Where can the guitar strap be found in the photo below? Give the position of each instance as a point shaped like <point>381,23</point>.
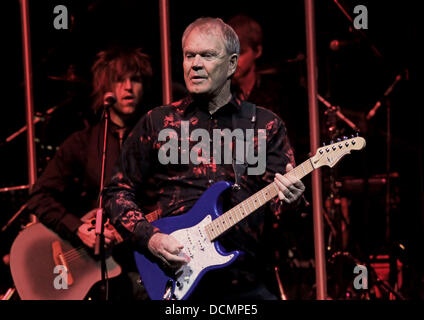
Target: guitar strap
<point>245,119</point>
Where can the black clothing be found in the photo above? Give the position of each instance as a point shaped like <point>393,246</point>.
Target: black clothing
<point>69,186</point>
<point>179,186</point>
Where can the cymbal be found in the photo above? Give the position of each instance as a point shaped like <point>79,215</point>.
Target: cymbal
<point>70,76</point>
<point>67,79</point>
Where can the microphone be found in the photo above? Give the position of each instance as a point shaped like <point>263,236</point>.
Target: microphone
<point>109,99</point>
<point>335,45</point>
<point>300,57</point>
<point>372,112</point>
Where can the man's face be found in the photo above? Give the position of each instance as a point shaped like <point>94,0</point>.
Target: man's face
<point>207,66</point>
<point>128,91</point>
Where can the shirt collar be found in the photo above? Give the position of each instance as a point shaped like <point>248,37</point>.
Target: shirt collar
<point>189,104</point>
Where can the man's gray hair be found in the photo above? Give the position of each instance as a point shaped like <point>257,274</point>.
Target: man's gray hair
<point>231,40</point>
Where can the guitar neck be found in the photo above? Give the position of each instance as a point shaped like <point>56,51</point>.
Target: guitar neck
<point>230,218</point>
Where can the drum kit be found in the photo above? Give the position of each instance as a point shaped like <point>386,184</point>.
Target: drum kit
<point>343,251</point>
<point>351,200</point>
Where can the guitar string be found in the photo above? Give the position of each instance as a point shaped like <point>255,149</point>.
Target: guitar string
<point>71,251</point>
<point>215,223</point>
<point>82,254</point>
<point>74,253</point>
<point>77,256</point>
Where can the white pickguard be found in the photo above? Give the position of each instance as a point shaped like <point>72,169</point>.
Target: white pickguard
<point>202,253</point>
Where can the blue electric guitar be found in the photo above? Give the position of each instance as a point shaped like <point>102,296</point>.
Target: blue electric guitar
<point>198,229</point>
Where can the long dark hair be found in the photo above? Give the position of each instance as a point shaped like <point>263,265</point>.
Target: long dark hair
<point>115,63</point>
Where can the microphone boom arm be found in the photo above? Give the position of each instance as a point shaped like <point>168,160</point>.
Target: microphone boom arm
<point>338,113</point>
<point>372,112</point>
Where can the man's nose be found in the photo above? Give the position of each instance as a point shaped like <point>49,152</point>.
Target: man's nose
<point>128,84</point>
<point>197,62</point>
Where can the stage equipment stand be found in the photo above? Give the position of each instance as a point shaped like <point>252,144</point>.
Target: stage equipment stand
<point>320,262</point>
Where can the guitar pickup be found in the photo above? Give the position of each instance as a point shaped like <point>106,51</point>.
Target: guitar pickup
<point>59,260</point>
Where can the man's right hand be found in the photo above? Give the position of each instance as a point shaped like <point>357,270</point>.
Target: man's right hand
<point>167,248</point>
<point>86,232</point>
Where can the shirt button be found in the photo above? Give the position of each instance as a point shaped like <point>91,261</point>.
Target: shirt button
<point>211,181</point>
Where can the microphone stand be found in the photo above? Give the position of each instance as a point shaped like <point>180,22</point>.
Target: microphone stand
<point>389,90</point>
<point>369,116</point>
<point>39,117</point>
<point>338,113</point>
<point>333,201</point>
<point>99,248</point>
<point>337,221</point>
<point>23,207</point>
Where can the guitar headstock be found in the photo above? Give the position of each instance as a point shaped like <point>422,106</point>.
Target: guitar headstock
<point>331,154</point>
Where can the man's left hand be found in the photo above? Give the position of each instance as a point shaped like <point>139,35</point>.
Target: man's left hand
<point>290,187</point>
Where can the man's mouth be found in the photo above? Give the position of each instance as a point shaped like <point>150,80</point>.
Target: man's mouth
<point>128,100</point>
<point>197,79</point>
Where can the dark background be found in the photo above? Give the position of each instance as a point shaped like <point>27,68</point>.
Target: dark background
<point>353,77</point>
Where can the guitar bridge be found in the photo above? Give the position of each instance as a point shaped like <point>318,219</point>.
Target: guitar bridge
<point>59,260</point>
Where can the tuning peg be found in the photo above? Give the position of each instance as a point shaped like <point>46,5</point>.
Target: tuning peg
<point>345,138</point>
<point>332,141</point>
<point>323,144</point>
<point>352,136</point>
<point>357,133</point>
<point>338,140</point>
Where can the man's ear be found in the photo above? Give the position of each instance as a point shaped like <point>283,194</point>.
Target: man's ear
<point>233,64</point>
<point>258,51</point>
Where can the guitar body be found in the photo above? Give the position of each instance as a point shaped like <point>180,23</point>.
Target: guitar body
<point>32,266</point>
<point>205,255</point>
